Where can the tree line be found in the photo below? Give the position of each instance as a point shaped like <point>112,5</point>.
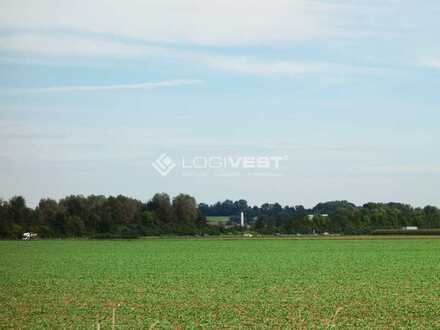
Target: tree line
<point>124,217</point>
<point>349,219</point>
<point>101,217</point>
<point>338,217</point>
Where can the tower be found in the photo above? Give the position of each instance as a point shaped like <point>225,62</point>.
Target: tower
<point>242,219</point>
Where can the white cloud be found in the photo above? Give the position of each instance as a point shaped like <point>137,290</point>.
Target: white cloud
<point>332,72</point>
<point>226,22</point>
<point>55,46</point>
<point>86,29</point>
<point>431,63</point>
<point>103,88</point>
<point>71,46</point>
<point>252,66</point>
<point>404,168</point>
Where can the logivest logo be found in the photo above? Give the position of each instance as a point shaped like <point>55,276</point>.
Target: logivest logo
<point>222,165</point>
<point>164,165</point>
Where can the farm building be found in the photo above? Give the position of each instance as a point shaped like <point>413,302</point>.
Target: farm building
<point>410,228</point>
<point>311,216</point>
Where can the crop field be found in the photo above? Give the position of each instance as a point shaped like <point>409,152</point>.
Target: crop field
<point>210,283</point>
<point>217,220</point>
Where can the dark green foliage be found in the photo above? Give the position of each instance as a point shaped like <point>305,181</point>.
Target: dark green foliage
<point>331,207</point>
<point>424,232</point>
<point>101,217</point>
<point>124,217</point>
<point>346,218</point>
<point>232,209</point>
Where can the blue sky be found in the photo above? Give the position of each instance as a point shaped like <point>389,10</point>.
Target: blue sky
<point>92,93</point>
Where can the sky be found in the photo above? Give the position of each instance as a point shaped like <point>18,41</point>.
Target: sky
<point>346,91</point>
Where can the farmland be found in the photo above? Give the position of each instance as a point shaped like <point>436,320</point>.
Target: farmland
<point>213,283</point>
<point>217,220</point>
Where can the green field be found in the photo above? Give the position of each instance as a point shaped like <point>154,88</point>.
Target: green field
<point>217,220</point>
<point>165,283</point>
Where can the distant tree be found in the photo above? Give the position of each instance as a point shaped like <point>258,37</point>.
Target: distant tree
<point>121,216</point>
<point>432,217</point>
<point>50,216</point>
<point>152,227</point>
<point>300,210</point>
<point>265,225</point>
<point>331,207</point>
<point>5,221</point>
<point>241,206</point>
<point>74,226</point>
<point>160,205</point>
<point>21,215</point>
<point>186,214</point>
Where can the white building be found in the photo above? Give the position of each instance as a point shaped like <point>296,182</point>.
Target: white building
<point>410,228</point>
<point>311,216</point>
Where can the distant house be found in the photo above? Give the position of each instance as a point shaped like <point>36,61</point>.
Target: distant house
<point>311,216</point>
<point>410,228</point>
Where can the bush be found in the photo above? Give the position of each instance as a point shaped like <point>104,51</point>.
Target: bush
<point>406,232</point>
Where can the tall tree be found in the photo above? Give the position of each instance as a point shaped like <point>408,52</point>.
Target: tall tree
<point>186,214</point>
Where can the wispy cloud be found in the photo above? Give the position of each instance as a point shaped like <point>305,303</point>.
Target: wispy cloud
<point>253,66</point>
<point>404,168</point>
<point>431,63</point>
<point>227,22</point>
<point>104,88</point>
<point>287,68</point>
<point>67,46</point>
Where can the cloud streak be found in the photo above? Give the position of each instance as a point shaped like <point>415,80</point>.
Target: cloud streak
<point>66,47</point>
<point>105,88</point>
<point>201,22</point>
<point>433,63</point>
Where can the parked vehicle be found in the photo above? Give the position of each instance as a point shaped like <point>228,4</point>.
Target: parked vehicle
<point>28,236</point>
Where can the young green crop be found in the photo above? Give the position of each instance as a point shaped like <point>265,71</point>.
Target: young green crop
<point>208,283</point>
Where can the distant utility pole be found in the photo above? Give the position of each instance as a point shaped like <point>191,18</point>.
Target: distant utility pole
<point>242,219</point>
